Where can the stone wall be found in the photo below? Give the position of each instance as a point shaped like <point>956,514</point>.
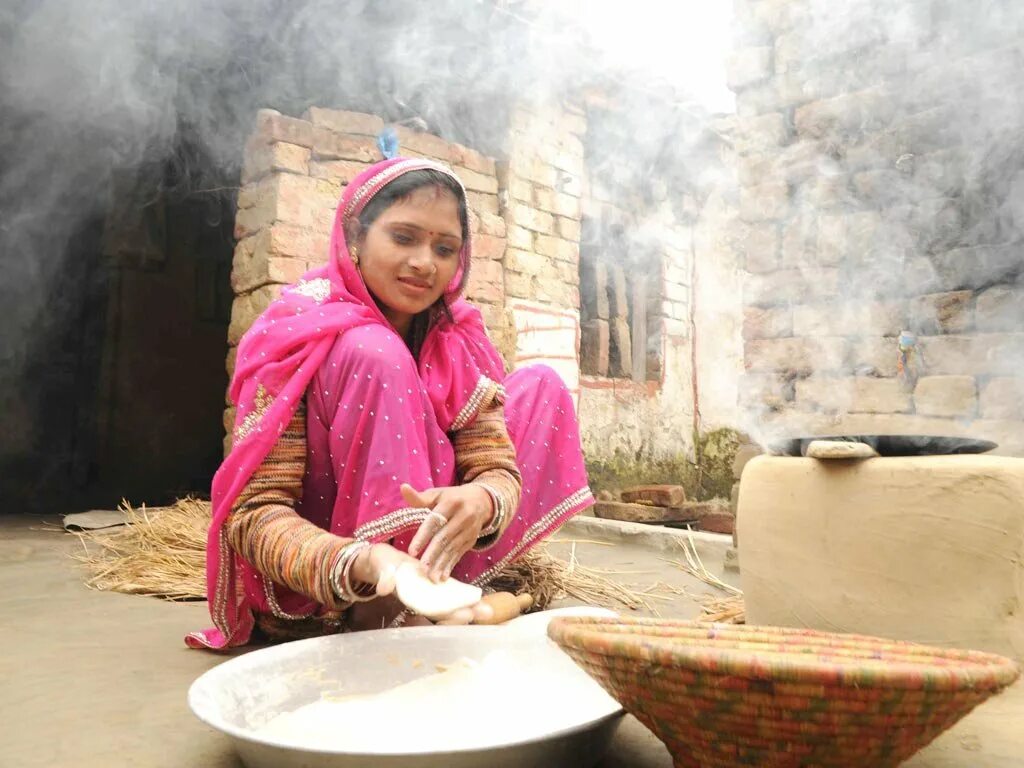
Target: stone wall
<point>879,158</point>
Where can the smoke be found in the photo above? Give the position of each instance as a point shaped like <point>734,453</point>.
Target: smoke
<point>106,106</point>
<point>883,147</point>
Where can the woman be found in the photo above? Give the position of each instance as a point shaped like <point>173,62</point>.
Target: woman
<point>375,426</point>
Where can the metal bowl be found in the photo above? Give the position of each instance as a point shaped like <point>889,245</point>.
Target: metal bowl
<point>892,445</point>
<point>240,696</point>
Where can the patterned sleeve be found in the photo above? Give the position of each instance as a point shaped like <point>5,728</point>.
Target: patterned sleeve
<point>485,454</point>
<point>265,529</point>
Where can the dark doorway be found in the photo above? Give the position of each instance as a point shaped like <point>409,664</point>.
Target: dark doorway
<point>122,393</point>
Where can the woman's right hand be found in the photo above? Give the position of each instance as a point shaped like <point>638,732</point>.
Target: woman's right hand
<point>377,564</point>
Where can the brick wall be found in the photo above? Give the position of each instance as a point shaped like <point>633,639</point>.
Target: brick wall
<point>527,220</point>
<point>878,169</point>
<point>636,267</point>
<point>293,176</point>
<point>541,184</point>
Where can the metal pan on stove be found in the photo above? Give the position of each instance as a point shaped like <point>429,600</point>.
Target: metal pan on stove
<point>892,445</point>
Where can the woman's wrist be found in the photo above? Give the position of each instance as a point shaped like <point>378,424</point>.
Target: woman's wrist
<point>345,578</point>
<point>362,567</point>
<point>493,522</point>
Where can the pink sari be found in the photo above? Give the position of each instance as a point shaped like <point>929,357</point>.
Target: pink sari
<point>377,417</point>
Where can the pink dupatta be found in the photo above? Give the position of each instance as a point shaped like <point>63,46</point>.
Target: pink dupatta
<point>279,356</point>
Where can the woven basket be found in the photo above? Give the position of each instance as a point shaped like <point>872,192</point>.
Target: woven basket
<point>727,695</point>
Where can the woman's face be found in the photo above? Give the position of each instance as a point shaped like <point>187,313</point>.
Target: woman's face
<point>410,253</point>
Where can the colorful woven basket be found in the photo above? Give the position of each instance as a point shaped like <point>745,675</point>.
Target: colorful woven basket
<point>728,695</point>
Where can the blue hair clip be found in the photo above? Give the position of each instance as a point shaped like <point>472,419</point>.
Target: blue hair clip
<point>388,143</point>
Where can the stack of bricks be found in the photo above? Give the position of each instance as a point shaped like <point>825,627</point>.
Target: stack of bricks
<point>866,213</point>
<point>541,186</point>
<point>292,179</point>
<point>611,283</point>
<point>636,250</point>
<point>606,342</point>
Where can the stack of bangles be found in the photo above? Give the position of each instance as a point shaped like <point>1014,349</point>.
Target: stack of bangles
<point>341,575</point>
<point>499,511</point>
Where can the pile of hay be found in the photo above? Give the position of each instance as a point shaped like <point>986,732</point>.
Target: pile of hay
<point>161,552</point>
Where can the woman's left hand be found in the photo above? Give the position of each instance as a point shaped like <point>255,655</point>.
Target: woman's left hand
<point>458,514</point>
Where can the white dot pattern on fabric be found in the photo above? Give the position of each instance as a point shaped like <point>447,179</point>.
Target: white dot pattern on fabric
<point>367,452</point>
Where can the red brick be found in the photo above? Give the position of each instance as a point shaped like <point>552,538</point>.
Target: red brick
<point>618,294</point>
<point>556,248</point>
<point>247,308</point>
<point>342,171</point>
<point>345,122</point>
<point>532,219</point>
<point>637,513</point>
<point>285,239</point>
<point>328,145</point>
<point>568,229</point>
<point>272,126</point>
<point>594,347</point>
<point>521,238</point>
<point>620,354</point>
<point>481,202</point>
<point>491,224</point>
<point>424,143</point>
<point>255,264</point>
<point>473,160</point>
<point>657,495</point>
<point>557,203</point>
<point>711,516</point>
<point>594,289</point>
<point>262,159</point>
<point>299,200</point>
<point>487,282</point>
<point>717,522</point>
<point>488,247</point>
<point>477,182</point>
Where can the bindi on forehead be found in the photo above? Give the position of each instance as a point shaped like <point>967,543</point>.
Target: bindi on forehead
<point>425,230</point>
<point>436,213</point>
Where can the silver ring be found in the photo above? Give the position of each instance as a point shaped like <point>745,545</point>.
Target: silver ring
<point>443,521</point>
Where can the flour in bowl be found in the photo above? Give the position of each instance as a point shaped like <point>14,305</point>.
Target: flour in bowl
<point>507,696</point>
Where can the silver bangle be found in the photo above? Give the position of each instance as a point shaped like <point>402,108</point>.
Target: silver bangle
<point>341,575</point>
<point>498,518</point>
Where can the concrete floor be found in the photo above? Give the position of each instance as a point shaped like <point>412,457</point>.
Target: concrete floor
<point>96,680</point>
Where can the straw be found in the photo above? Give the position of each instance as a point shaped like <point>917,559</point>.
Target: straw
<point>161,552</point>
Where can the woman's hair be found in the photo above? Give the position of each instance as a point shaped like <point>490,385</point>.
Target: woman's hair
<point>402,188</point>
<point>399,190</point>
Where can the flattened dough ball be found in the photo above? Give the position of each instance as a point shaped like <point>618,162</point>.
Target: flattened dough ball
<point>435,601</point>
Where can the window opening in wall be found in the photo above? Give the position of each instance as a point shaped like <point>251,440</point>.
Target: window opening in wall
<point>620,294</point>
